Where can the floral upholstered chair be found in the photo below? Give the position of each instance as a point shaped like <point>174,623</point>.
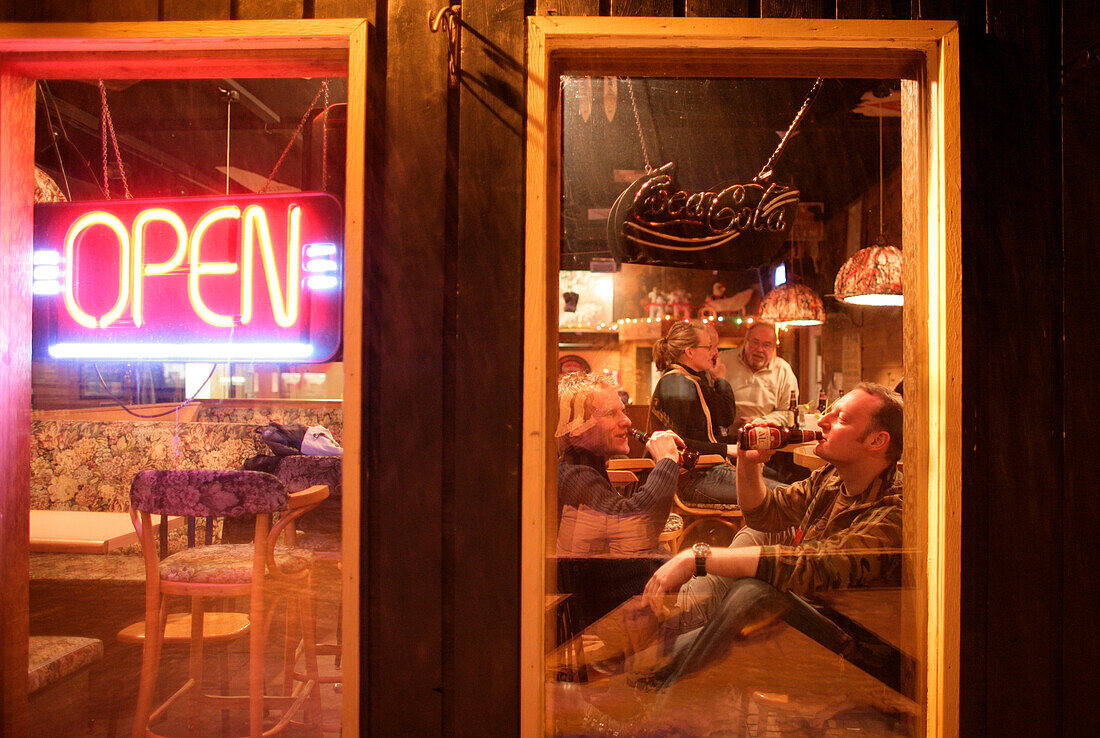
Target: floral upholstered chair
<point>264,569</point>
<point>319,529</point>
<point>319,532</point>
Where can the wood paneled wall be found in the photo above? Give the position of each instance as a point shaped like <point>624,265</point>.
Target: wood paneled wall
<point>444,322</point>
<point>1080,100</point>
<point>1013,375</point>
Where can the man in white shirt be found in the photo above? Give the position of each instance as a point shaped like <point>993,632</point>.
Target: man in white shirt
<point>762,382</point>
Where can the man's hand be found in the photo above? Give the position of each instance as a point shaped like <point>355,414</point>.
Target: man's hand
<point>752,456</point>
<point>667,580</point>
<point>665,445</point>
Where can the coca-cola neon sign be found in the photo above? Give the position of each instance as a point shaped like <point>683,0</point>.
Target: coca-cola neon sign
<point>252,278</point>
<point>734,226</point>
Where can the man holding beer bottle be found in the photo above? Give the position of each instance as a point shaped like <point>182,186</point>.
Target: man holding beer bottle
<point>844,523</point>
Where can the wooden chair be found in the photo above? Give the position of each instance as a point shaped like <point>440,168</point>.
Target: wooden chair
<point>624,482</point>
<point>319,531</point>
<point>258,571</point>
<point>713,523</point>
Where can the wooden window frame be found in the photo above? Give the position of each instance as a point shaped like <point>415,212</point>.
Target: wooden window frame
<point>925,56</point>
<point>168,50</point>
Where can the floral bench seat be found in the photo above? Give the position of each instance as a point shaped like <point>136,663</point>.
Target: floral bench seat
<point>58,683</point>
<point>53,658</point>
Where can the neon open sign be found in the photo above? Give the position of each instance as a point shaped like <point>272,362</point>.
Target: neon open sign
<point>255,278</point>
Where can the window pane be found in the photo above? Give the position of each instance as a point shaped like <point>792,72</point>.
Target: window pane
<point>679,203</point>
<point>98,420</point>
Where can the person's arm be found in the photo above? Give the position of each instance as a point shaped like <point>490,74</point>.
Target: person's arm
<point>583,485</point>
<point>726,414</point>
<point>751,490</point>
<point>724,406</point>
<point>769,510</point>
<point>734,563</point>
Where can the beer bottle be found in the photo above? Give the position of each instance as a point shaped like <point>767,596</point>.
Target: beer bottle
<point>767,437</point>
<point>688,458</point>
<point>822,405</point>
<point>793,410</point>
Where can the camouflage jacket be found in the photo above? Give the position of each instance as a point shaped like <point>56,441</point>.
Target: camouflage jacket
<point>860,547</point>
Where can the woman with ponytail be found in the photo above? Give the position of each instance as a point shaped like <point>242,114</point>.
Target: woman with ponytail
<point>693,399</point>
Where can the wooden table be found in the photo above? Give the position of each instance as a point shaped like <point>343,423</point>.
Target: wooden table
<point>83,531</point>
<point>804,455</point>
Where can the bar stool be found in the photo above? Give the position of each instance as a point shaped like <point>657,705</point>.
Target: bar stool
<point>225,571</point>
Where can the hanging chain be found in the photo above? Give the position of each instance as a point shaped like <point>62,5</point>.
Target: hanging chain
<point>228,131</point>
<point>638,123</point>
<point>301,124</point>
<point>766,172</point>
<point>324,142</point>
<point>881,228</point>
<point>107,126</point>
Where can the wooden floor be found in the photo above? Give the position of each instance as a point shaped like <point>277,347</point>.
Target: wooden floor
<point>99,611</point>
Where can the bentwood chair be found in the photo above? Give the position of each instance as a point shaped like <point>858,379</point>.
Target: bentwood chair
<point>264,572</point>
<point>318,531</point>
<point>713,523</point>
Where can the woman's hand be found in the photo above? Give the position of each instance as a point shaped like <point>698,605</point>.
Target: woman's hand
<point>718,368</point>
<point>667,581</point>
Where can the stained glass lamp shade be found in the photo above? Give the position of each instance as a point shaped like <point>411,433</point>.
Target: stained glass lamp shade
<point>792,304</point>
<point>871,276</point>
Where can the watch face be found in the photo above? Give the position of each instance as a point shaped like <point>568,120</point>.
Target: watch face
<point>701,549</point>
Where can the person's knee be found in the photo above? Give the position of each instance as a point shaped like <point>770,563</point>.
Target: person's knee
<point>752,604</point>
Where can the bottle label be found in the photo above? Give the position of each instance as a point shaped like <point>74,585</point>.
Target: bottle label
<point>763,439</point>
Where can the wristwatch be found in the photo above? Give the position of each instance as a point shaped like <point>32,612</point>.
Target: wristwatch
<point>701,551</point>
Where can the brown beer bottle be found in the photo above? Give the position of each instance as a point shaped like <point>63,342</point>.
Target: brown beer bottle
<point>688,458</point>
<point>793,410</point>
<point>822,405</point>
<point>767,437</point>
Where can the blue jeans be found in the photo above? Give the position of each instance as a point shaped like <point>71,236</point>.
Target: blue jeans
<point>716,484</point>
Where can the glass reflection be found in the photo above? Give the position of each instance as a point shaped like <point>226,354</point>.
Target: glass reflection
<point>97,424</point>
<point>760,592</point>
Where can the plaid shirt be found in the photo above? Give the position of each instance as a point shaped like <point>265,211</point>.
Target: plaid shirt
<point>860,546</point>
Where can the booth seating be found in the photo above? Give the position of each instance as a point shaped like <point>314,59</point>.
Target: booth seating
<point>319,529</point>
<point>58,683</point>
<point>226,571</point>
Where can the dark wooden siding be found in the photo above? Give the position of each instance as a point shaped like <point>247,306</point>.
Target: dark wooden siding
<point>444,367</point>
<point>1080,108</point>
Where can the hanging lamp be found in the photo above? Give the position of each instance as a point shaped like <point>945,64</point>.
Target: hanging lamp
<point>792,303</point>
<point>872,275</point>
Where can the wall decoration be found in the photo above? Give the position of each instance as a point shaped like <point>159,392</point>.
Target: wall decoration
<point>573,363</point>
<point>586,300</point>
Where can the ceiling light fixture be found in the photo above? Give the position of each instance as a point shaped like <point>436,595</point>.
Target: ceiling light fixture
<point>792,303</point>
<point>872,275</point>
